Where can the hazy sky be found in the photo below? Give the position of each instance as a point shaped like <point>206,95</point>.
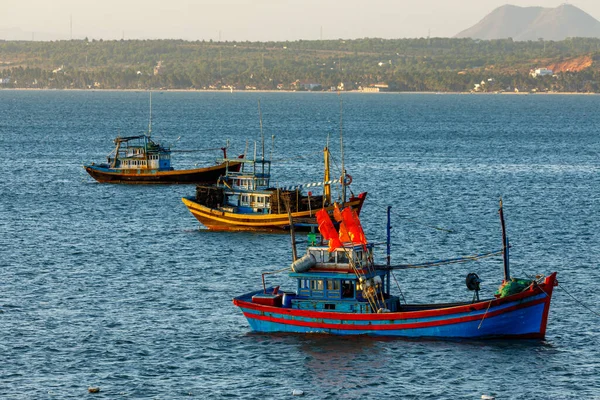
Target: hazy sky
<point>255,20</point>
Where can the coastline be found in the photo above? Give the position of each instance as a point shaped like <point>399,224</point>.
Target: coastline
<point>298,91</point>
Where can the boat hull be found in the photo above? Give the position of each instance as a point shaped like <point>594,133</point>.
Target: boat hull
<point>218,220</point>
<point>522,315</point>
<point>206,175</point>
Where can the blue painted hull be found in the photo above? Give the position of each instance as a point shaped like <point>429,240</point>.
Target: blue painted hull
<point>523,315</point>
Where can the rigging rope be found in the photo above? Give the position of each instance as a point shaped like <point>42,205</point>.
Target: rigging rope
<point>398,284</point>
<point>296,158</point>
<point>448,261</point>
<point>196,150</point>
<point>276,272</point>
<point>486,311</point>
<point>423,224</point>
<point>578,301</point>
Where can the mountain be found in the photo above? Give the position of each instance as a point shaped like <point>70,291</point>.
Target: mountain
<point>533,23</point>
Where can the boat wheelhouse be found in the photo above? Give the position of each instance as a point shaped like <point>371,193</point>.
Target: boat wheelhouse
<point>140,152</point>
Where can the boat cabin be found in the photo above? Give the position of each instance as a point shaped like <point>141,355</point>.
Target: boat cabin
<point>140,152</point>
<point>245,192</point>
<point>345,280</point>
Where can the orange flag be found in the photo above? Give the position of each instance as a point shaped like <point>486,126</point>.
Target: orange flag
<point>343,232</point>
<point>328,230</point>
<point>352,223</point>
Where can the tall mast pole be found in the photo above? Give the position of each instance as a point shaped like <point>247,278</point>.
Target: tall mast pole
<point>326,178</point>
<point>343,178</point>
<point>262,137</point>
<point>150,121</point>
<point>505,245</point>
<point>389,240</point>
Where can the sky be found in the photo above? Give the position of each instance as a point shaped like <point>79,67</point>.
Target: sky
<point>253,20</point>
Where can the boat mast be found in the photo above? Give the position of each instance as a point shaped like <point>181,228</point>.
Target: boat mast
<point>505,245</point>
<point>343,178</point>
<point>150,121</point>
<point>292,230</point>
<point>114,163</point>
<point>262,137</point>
<point>389,240</point>
<point>326,186</point>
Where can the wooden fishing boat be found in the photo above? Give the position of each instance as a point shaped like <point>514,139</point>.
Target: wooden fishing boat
<point>245,200</point>
<point>140,160</point>
<point>341,291</point>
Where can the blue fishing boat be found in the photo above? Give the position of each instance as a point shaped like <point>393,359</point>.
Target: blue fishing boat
<point>341,290</point>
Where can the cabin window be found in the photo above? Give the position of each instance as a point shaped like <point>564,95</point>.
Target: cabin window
<point>331,258</point>
<point>333,285</point>
<point>341,257</point>
<point>316,285</point>
<point>318,255</point>
<point>359,256</point>
<point>347,289</point>
<point>304,284</point>
<point>329,306</point>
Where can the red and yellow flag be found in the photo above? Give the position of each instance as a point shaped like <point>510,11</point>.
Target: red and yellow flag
<point>343,232</point>
<point>352,224</point>
<point>328,230</point>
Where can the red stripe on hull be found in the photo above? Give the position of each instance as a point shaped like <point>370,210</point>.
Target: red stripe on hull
<point>391,326</point>
<point>405,315</point>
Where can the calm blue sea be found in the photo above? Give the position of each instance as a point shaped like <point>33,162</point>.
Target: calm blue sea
<point>119,287</point>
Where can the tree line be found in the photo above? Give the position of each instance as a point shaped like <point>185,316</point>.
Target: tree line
<point>423,64</point>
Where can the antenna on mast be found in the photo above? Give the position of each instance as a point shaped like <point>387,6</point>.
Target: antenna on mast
<point>272,145</point>
<point>262,136</point>
<point>150,121</point>
<point>343,178</point>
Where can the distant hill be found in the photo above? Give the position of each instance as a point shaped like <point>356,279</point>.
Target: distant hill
<point>533,23</point>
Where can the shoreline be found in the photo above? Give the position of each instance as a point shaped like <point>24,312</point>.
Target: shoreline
<point>299,91</point>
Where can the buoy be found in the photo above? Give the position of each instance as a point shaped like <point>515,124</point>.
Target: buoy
<point>93,389</point>
<point>297,392</point>
<point>487,397</point>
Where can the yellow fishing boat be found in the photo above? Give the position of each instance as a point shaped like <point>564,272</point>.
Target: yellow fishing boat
<point>245,200</point>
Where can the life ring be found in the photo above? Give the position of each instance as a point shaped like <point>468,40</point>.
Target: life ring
<point>347,181</point>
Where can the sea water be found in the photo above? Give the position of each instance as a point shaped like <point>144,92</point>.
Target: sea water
<point>119,287</point>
